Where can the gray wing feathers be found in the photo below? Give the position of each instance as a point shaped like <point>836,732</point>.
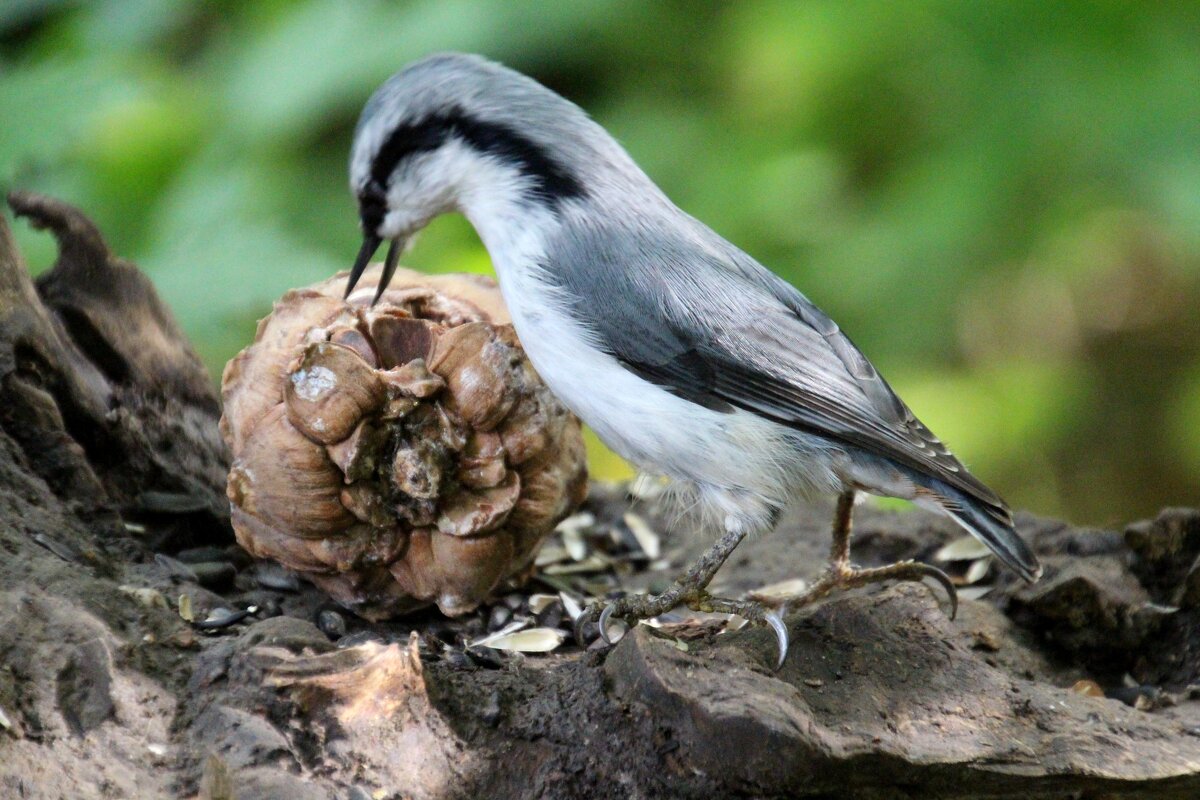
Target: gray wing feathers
<point>707,322</point>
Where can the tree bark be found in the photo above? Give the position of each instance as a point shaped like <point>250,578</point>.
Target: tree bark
<point>112,511</point>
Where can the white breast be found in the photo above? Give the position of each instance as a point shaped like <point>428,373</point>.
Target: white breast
<point>734,460</point>
<point>647,425</point>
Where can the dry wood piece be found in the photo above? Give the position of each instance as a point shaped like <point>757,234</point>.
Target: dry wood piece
<point>1084,685</point>
<point>99,387</point>
<point>399,454</point>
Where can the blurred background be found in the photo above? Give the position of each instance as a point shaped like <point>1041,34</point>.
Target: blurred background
<point>1000,202</point>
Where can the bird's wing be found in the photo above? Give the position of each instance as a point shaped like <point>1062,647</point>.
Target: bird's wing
<point>710,324</point>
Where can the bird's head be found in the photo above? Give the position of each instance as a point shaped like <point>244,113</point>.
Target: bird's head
<point>459,132</point>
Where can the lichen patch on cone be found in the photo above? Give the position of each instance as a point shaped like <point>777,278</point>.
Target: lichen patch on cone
<point>399,455</point>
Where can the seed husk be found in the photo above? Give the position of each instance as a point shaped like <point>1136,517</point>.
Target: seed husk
<point>964,548</point>
<point>572,539</point>
<point>533,640</point>
<point>596,562</point>
<point>571,605</point>
<point>186,612</point>
<point>779,589</point>
<point>978,570</point>
<point>647,539</point>
<point>539,602</point>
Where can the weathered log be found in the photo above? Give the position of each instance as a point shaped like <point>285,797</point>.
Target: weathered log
<point>98,385</point>
<point>106,417</point>
<point>1078,686</point>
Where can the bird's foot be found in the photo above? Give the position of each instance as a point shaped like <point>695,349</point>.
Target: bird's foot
<point>633,608</point>
<point>841,575</point>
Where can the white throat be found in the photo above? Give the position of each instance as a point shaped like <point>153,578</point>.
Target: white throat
<point>494,197</point>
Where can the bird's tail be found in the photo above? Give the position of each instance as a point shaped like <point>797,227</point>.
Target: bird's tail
<point>989,523</point>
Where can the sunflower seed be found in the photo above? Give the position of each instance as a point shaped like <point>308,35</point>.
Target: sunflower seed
<point>65,552</point>
<point>780,589</point>
<point>974,592</point>
<point>978,570</point>
<point>457,659</point>
<point>186,612</point>
<point>198,555</point>
<point>539,602</point>
<point>223,617</point>
<point>174,567</point>
<point>534,640</point>
<point>552,617</point>
<point>964,548</point>
<point>331,623</point>
<point>551,554</point>
<point>572,539</point>
<point>647,539</point>
<point>270,575</point>
<point>170,502</point>
<point>593,563</point>
<point>511,627</point>
<point>215,575</point>
<point>570,605</point>
<point>487,658</point>
<point>577,522</point>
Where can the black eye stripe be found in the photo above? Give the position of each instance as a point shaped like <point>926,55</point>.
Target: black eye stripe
<point>372,206</point>
<point>550,182</point>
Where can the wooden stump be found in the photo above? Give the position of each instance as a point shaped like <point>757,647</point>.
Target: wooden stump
<point>112,509</point>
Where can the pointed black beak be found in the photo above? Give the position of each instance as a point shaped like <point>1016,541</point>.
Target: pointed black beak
<point>370,244</point>
<point>389,268</point>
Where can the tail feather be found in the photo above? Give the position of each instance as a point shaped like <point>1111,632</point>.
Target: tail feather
<point>990,524</point>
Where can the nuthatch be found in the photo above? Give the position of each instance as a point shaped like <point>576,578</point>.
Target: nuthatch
<point>684,354</point>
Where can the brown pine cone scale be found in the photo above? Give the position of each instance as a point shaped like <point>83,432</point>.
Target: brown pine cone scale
<point>399,455</point>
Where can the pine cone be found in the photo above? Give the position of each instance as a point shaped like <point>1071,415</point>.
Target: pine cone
<point>397,455</point>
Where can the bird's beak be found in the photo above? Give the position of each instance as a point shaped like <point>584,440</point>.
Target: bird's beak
<point>389,268</point>
<point>370,244</point>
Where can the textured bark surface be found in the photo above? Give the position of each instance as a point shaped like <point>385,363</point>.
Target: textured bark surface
<point>112,509</point>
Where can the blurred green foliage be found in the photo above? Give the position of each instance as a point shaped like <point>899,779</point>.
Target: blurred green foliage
<point>1000,201</point>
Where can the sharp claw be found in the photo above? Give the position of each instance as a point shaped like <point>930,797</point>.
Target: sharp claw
<point>580,623</point>
<point>605,615</point>
<point>951,592</point>
<point>775,620</point>
<point>944,580</point>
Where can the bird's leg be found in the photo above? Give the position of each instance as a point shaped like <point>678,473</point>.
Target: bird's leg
<point>841,574</point>
<point>688,589</point>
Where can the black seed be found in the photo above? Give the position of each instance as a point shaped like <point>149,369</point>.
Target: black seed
<point>215,575</point>
<point>331,623</point>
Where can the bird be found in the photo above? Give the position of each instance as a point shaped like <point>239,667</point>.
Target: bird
<point>683,354</point>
